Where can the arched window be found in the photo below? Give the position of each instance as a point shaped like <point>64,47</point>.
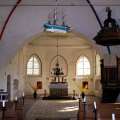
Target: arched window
<point>34,66</point>
<point>82,66</point>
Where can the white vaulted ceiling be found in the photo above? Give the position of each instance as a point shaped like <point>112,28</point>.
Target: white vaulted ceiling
<point>29,17</point>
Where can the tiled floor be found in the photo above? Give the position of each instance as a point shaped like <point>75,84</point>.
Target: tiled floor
<point>53,110</point>
<point>59,110</point>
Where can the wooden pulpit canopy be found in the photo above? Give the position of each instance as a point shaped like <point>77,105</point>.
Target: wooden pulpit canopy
<point>110,33</point>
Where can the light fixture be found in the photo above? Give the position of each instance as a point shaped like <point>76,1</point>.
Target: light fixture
<point>56,23</point>
<point>57,71</point>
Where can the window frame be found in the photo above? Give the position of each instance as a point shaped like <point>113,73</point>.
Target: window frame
<point>40,66</point>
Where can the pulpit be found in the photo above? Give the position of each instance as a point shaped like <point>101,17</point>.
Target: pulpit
<point>110,80</point>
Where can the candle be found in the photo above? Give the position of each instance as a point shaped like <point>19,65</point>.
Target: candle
<point>84,100</point>
<point>95,105</point>
<point>16,98</point>
<point>113,116</point>
<point>23,94</point>
<point>3,103</point>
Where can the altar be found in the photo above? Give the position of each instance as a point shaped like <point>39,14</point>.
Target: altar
<point>58,89</point>
<point>58,86</point>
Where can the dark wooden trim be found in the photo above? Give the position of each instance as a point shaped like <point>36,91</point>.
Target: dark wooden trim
<point>8,18</point>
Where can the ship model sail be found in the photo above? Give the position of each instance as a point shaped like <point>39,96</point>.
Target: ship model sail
<point>54,24</point>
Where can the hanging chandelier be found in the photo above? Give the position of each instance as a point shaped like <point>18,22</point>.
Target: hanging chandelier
<point>110,33</point>
<point>57,71</point>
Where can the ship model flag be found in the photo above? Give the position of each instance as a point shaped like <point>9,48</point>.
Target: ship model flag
<point>56,24</point>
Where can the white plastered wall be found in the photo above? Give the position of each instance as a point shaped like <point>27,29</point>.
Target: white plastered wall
<point>15,69</point>
<point>17,66</point>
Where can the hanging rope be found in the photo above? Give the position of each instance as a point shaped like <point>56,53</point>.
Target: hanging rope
<point>57,52</point>
<point>8,18</point>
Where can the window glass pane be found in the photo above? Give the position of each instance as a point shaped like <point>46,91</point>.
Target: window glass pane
<point>85,59</point>
<point>81,60</point>
<point>86,65</point>
<point>86,71</point>
<point>36,65</point>
<point>33,66</point>
<point>35,60</point>
<point>36,72</point>
<point>29,71</point>
<point>31,59</point>
<point>30,65</point>
<point>83,66</point>
<point>81,72</point>
<point>79,65</point>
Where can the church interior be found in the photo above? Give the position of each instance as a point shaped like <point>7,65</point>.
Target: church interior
<point>60,60</point>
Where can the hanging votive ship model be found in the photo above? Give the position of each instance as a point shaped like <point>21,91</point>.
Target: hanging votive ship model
<point>55,24</point>
<point>110,33</point>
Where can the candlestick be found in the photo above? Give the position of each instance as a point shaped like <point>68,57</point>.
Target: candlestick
<point>84,108</point>
<point>3,103</point>
<point>95,105</point>
<point>78,115</point>
<point>23,94</point>
<point>3,109</point>
<point>79,102</point>
<point>95,110</point>
<point>84,100</point>
<point>16,98</point>
<point>113,116</point>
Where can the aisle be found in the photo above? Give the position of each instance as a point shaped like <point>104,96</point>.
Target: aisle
<point>53,110</point>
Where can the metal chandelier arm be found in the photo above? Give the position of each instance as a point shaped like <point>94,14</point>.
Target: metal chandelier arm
<point>8,18</point>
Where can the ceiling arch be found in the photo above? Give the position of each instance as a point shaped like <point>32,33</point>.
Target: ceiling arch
<point>29,17</point>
